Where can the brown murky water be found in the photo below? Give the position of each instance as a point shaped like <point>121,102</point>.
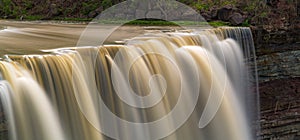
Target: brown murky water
<point>25,37</point>
<point>59,96</point>
<point>30,37</point>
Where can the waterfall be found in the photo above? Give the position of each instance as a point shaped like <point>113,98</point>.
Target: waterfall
<point>174,85</point>
<point>29,112</point>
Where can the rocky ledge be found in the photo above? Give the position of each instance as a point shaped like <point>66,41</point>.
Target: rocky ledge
<point>280,109</point>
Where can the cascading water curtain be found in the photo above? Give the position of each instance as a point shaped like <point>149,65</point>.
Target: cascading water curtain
<point>28,111</point>
<point>192,85</point>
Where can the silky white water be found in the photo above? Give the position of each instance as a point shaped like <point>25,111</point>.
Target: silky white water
<point>192,85</point>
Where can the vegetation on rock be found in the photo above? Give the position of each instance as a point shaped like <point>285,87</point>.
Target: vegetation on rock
<point>273,14</point>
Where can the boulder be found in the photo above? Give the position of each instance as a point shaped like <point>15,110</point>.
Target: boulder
<point>54,10</point>
<point>96,12</point>
<point>236,19</point>
<point>92,14</point>
<point>214,12</point>
<point>225,12</point>
<point>99,10</point>
<point>206,16</point>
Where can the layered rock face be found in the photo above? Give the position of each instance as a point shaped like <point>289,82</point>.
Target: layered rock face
<point>277,44</point>
<point>280,109</point>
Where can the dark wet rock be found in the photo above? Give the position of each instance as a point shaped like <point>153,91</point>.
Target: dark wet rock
<point>92,14</point>
<point>99,10</point>
<point>278,65</point>
<point>96,12</point>
<point>236,19</point>
<point>206,16</point>
<point>54,10</point>
<point>22,17</point>
<point>214,13</point>
<point>280,109</point>
<point>225,12</point>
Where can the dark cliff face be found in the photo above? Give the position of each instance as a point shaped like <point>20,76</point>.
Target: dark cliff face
<point>279,71</point>
<point>277,42</point>
<point>280,109</point>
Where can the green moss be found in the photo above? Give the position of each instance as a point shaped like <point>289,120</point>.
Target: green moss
<point>228,2</point>
<point>218,23</point>
<point>33,17</point>
<point>263,14</point>
<point>201,6</point>
<point>7,8</point>
<point>25,8</point>
<point>246,23</point>
<point>87,7</point>
<point>107,3</point>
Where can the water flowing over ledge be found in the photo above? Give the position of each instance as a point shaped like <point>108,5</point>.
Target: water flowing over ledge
<point>162,85</point>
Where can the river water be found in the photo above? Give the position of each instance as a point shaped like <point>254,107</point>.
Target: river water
<point>17,37</point>
<point>168,83</point>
